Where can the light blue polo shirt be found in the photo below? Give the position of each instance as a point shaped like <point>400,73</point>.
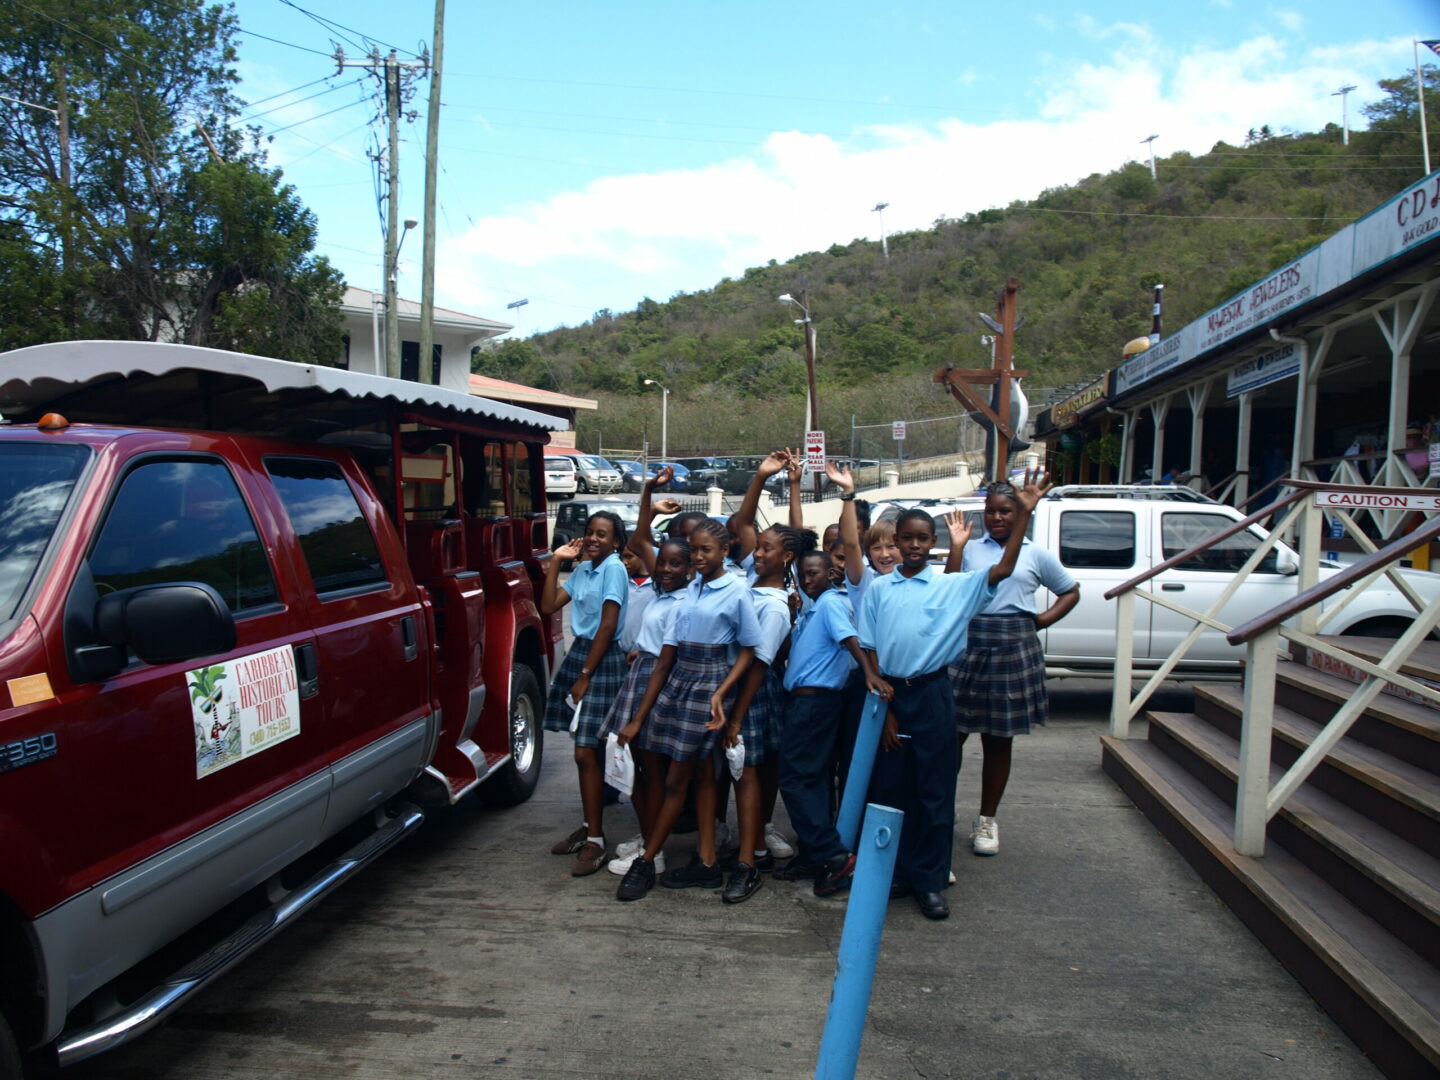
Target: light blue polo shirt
<point>589,587</point>
<point>856,589</point>
<point>917,625</point>
<point>640,597</point>
<point>816,656</point>
<point>1036,566</point>
<point>772,612</point>
<point>659,617</point>
<point>718,612</point>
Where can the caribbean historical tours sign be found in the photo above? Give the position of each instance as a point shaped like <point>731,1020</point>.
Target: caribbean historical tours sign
<point>243,706</point>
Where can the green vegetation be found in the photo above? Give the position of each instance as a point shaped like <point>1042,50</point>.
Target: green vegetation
<point>1086,255</point>
<point>157,218</point>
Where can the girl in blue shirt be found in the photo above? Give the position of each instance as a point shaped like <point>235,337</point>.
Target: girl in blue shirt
<point>592,670</point>
<point>760,705</point>
<point>686,701</point>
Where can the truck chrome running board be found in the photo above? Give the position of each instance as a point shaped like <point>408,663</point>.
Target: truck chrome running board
<point>159,1003</point>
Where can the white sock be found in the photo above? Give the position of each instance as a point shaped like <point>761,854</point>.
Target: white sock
<point>762,853</point>
<point>595,840</point>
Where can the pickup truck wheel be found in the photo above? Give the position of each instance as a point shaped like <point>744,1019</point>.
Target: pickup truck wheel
<point>1383,627</point>
<point>9,1053</point>
<point>516,781</point>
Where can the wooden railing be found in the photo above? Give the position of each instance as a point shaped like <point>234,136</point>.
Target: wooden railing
<point>1298,619</point>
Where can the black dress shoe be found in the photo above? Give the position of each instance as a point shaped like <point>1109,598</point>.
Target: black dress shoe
<point>932,905</point>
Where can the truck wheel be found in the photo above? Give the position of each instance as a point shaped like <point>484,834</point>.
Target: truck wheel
<point>516,781</point>
<point>9,1053</point>
<point>1381,627</point>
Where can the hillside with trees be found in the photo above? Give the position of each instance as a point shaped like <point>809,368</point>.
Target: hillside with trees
<point>1086,255</point>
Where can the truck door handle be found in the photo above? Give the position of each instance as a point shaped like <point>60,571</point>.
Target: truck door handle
<point>1170,587</point>
<point>307,670</point>
<point>407,631</point>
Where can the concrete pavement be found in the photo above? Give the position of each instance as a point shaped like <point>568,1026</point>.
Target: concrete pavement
<point>1087,949</point>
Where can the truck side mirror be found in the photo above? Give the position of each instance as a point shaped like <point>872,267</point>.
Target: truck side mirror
<point>164,623</point>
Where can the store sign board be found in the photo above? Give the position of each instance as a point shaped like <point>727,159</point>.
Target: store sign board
<point>1068,412</point>
<point>1268,367</point>
<point>1410,218</point>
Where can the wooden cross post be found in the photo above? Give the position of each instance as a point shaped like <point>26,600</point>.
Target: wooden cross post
<point>958,381</point>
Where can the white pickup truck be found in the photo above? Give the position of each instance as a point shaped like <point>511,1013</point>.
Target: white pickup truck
<point>1106,540</point>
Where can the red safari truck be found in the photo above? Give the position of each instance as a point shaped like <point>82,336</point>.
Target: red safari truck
<point>255,619</point>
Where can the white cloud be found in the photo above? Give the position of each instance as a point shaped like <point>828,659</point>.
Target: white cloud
<point>1290,20</point>
<point>621,237</point>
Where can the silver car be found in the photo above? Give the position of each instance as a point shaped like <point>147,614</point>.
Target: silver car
<point>594,474</point>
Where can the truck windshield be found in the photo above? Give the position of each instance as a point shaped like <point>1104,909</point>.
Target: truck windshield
<point>35,481</point>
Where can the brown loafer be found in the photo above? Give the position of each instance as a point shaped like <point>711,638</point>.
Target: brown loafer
<point>572,843</point>
<point>591,857</point>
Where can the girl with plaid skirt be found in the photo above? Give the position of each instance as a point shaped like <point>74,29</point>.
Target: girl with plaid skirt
<point>685,706</point>
<point>999,679</point>
<point>760,707</point>
<point>592,671</point>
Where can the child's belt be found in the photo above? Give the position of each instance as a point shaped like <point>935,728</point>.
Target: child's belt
<point>916,680</point>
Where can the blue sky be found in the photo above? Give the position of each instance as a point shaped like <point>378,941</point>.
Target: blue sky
<point>594,154</point>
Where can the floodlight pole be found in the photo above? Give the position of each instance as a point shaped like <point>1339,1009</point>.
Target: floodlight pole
<point>1151,143</point>
<point>1344,95</point>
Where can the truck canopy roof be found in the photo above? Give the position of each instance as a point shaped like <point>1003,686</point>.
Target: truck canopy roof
<point>153,384</point>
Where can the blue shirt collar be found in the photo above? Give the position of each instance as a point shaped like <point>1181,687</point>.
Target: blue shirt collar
<point>988,539</point>
<point>724,581</point>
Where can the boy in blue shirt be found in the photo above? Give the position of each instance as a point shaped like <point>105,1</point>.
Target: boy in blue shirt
<point>913,622</point>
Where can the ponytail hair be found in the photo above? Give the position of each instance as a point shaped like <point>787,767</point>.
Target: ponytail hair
<point>798,542</point>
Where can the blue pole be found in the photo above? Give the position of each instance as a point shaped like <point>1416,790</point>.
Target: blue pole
<point>860,944</point>
<point>862,764</point>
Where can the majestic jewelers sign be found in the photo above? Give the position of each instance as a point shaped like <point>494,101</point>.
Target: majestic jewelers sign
<point>1409,219</point>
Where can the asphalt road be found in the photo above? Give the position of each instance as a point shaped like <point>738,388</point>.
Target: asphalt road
<point>1086,949</point>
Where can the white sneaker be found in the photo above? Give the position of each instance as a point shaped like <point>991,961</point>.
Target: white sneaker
<point>776,842</point>
<point>630,847</point>
<point>619,866</point>
<point>985,836</point>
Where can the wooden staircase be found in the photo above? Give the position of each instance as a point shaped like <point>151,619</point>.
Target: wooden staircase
<point>1347,895</point>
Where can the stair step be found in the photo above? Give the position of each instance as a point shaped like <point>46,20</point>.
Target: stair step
<point>1379,991</point>
<point>1407,729</point>
<point>1423,663</point>
<point>1400,796</point>
<point>1378,871</point>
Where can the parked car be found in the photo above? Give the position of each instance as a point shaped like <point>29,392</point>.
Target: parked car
<point>230,685</point>
<point>684,481</point>
<point>560,476</point>
<point>633,474</point>
<point>595,475</point>
<point>733,474</point>
<point>702,471</point>
<point>1105,541</point>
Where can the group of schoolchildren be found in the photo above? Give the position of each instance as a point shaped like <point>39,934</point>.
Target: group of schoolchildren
<point>731,649</point>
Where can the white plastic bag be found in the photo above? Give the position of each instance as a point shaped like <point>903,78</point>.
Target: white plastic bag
<point>619,765</point>
<point>735,755</point>
<point>575,718</point>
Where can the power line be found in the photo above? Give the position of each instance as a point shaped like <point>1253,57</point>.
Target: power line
<point>292,90</point>
<point>331,23</point>
<point>301,101</point>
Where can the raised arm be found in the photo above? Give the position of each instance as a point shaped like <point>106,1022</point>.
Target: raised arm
<point>745,517</point>
<point>959,527</point>
<point>849,522</point>
<point>795,472</point>
<point>552,596</point>
<point>640,540</point>
<point>1027,498</point>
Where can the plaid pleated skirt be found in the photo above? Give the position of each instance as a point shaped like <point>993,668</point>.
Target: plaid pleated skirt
<point>676,727</point>
<point>604,686</point>
<point>1000,680</point>
<point>629,698</point>
<point>760,727</point>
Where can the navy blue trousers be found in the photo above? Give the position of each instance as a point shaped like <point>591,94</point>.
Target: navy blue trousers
<point>807,749</point>
<point>919,779</point>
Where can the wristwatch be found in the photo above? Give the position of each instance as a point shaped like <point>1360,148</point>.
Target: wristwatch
<point>848,496</point>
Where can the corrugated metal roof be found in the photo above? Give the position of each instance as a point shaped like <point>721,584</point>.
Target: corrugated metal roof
<point>35,376</point>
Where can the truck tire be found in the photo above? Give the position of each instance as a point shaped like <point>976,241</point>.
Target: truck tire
<point>1379,627</point>
<point>9,1053</point>
<point>516,780</point>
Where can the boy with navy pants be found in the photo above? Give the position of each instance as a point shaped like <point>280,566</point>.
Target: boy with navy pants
<point>913,622</point>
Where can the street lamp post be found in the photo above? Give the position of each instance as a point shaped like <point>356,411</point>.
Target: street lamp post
<point>879,208</point>
<point>664,419</point>
<point>809,325</point>
<point>392,299</point>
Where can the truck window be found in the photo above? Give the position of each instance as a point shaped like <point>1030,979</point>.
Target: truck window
<point>1097,539</point>
<point>337,543</point>
<point>522,502</point>
<point>183,521</point>
<point>1180,531</point>
<point>35,482</point>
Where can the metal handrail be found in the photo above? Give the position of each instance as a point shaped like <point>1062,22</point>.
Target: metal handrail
<point>1285,479</point>
<point>1226,482</point>
<point>1343,580</point>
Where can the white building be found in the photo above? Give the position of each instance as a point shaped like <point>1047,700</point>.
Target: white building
<point>456,335</point>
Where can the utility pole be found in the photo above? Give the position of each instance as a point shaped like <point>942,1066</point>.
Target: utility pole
<point>393,70</point>
<point>432,168</point>
<point>61,112</point>
<point>1344,95</point>
<point>1151,142</point>
<point>879,208</point>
